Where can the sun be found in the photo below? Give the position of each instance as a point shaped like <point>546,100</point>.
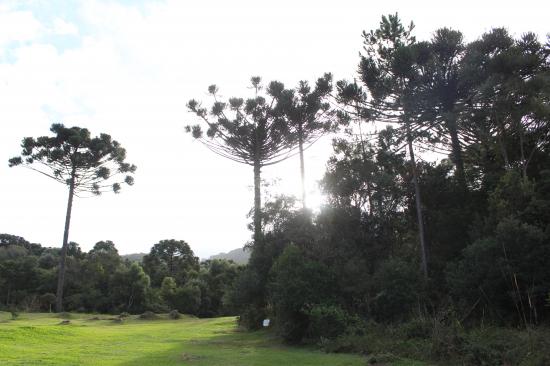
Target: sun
<point>315,200</point>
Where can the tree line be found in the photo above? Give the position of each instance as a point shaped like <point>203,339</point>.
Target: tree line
<point>170,277</point>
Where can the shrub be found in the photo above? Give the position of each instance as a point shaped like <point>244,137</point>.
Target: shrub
<point>447,341</point>
<point>148,315</point>
<point>397,287</point>
<point>417,328</point>
<point>328,321</point>
<point>246,298</point>
<point>381,359</point>
<point>174,314</point>
<point>251,317</point>
<point>342,344</point>
<point>297,284</point>
<point>499,269</point>
<point>124,315</point>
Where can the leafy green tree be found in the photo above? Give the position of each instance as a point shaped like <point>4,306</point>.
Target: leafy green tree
<point>251,131</point>
<point>7,240</point>
<point>20,278</point>
<point>187,299</point>
<point>171,258</point>
<point>96,270</point>
<point>85,164</point>
<point>168,287</point>
<point>105,257</point>
<point>217,277</point>
<point>129,287</point>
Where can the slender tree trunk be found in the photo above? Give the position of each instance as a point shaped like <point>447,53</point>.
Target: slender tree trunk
<point>456,151</point>
<point>424,257</point>
<point>302,164</point>
<point>364,156</point>
<point>501,138</point>
<point>524,160</point>
<point>62,260</point>
<point>257,204</point>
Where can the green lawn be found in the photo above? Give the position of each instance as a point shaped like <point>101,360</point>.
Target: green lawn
<point>40,339</point>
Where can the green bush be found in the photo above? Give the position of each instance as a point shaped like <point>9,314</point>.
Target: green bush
<point>447,341</point>
<point>328,321</point>
<point>148,315</point>
<point>381,359</point>
<point>499,269</point>
<point>397,286</point>
<point>297,285</point>
<point>251,317</point>
<point>174,314</point>
<point>247,299</point>
<point>187,299</point>
<point>417,328</point>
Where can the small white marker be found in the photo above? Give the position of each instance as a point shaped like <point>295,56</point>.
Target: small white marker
<point>266,323</point>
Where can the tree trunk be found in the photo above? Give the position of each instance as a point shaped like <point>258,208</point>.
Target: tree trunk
<point>456,151</point>
<point>302,164</point>
<point>61,274</point>
<point>424,257</point>
<point>501,139</point>
<point>365,161</point>
<point>524,160</point>
<point>257,204</point>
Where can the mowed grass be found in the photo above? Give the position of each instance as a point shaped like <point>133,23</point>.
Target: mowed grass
<point>40,339</point>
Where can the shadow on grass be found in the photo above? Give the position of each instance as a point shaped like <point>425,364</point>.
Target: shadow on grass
<point>232,348</point>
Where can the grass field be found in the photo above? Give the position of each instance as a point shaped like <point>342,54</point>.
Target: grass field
<point>41,339</point>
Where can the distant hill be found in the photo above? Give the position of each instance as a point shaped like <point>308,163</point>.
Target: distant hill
<point>134,257</point>
<point>239,256</point>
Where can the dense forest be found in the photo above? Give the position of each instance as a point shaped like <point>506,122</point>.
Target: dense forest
<point>437,214</point>
<point>169,278</point>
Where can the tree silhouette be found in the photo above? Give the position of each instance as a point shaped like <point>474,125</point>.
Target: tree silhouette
<point>446,93</point>
<point>85,164</point>
<point>252,131</point>
<point>509,96</point>
<point>308,116</point>
<point>392,69</point>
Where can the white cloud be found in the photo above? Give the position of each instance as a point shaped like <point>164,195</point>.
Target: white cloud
<point>61,27</point>
<point>18,26</point>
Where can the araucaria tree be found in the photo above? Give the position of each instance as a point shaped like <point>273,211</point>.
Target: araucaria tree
<point>252,131</point>
<point>392,69</point>
<point>308,115</point>
<point>87,165</point>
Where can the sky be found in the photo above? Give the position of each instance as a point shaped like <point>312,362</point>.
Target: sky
<point>127,68</point>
